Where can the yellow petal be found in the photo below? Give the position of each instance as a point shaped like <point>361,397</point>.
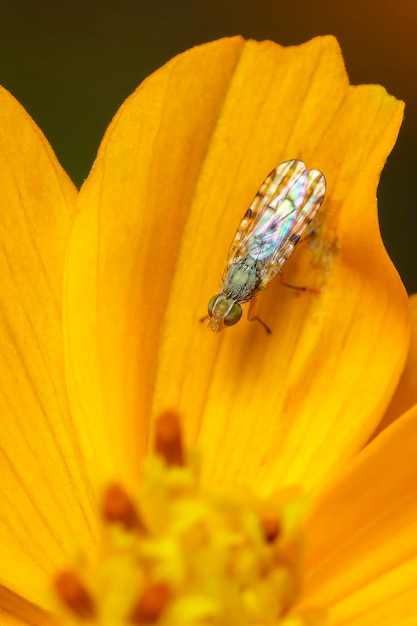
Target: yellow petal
<point>363,534</point>
<point>123,248</point>
<point>178,167</point>
<point>41,477</point>
<point>405,395</point>
<point>16,611</point>
<point>292,406</point>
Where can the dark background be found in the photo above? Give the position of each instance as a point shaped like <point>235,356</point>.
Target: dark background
<point>71,65</point>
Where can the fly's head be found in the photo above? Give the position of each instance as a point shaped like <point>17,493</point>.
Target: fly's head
<point>222,311</point>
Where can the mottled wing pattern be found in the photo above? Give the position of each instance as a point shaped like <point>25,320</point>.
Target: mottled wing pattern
<point>278,216</point>
<point>272,190</point>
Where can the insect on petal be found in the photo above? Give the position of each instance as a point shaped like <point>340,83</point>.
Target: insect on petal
<point>281,211</point>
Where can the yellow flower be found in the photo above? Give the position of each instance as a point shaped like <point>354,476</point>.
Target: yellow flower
<point>101,297</point>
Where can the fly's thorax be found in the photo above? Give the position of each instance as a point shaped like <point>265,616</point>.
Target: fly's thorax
<point>223,311</point>
<point>242,279</point>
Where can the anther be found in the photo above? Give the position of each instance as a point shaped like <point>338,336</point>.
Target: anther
<point>117,507</point>
<point>168,441</point>
<point>270,528</point>
<point>151,604</point>
<point>74,595</point>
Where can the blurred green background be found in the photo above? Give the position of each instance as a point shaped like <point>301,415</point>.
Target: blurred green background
<point>71,64</point>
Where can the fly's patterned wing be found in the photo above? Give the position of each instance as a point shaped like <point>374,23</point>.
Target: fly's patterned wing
<point>272,190</point>
<point>280,213</point>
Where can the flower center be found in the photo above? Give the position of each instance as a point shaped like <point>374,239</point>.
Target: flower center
<point>177,554</point>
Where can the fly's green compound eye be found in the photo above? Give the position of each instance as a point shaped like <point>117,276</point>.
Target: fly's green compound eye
<point>233,316</point>
<point>224,310</point>
<point>211,305</point>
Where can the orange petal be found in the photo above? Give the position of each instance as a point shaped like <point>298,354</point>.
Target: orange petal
<point>41,477</point>
<point>363,534</point>
<point>178,167</point>
<point>124,244</point>
<point>292,406</point>
<point>405,395</point>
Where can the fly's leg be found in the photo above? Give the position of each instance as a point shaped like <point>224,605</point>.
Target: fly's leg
<point>299,288</point>
<point>253,317</point>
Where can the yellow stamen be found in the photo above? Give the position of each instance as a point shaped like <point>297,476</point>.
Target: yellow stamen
<point>185,555</point>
